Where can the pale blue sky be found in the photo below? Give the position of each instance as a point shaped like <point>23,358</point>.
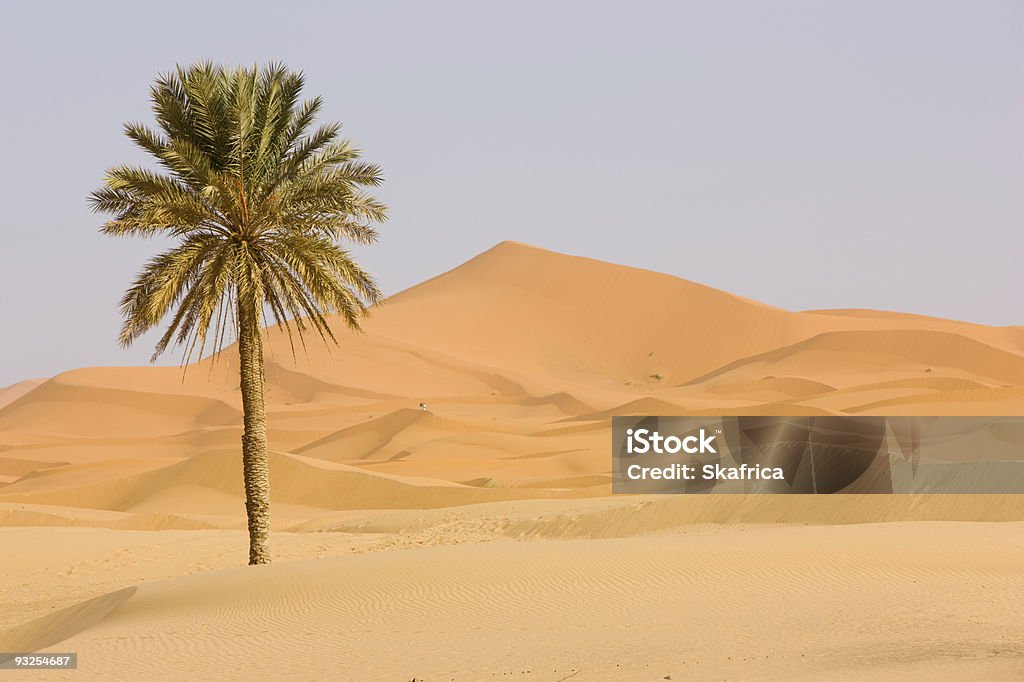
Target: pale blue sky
<point>806,154</point>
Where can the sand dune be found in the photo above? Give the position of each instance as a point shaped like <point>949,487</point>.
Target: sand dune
<point>62,408</point>
<point>888,350</point>
<point>486,342</point>
<point>770,388</point>
<point>17,468</point>
<point>518,366</point>
<point>298,480</point>
<point>361,440</point>
<point>486,520</point>
<point>811,606</point>
<point>9,394</point>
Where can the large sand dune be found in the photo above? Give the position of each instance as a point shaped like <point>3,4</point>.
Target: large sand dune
<point>522,356</point>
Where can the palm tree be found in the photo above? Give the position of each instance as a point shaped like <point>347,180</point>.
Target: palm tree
<point>255,201</point>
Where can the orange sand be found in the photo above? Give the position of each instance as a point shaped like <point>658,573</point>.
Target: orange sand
<point>478,539</point>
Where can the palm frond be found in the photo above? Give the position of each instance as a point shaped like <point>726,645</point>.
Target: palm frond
<point>258,200</point>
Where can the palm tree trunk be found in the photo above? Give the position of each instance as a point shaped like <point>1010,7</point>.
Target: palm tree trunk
<point>255,461</point>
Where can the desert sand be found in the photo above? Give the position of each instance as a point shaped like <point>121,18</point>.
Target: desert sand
<point>479,539</point>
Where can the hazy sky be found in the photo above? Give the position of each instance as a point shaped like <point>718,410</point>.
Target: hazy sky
<point>805,154</point>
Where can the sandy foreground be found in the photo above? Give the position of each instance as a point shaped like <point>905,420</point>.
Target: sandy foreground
<point>478,539</point>
<point>873,601</point>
